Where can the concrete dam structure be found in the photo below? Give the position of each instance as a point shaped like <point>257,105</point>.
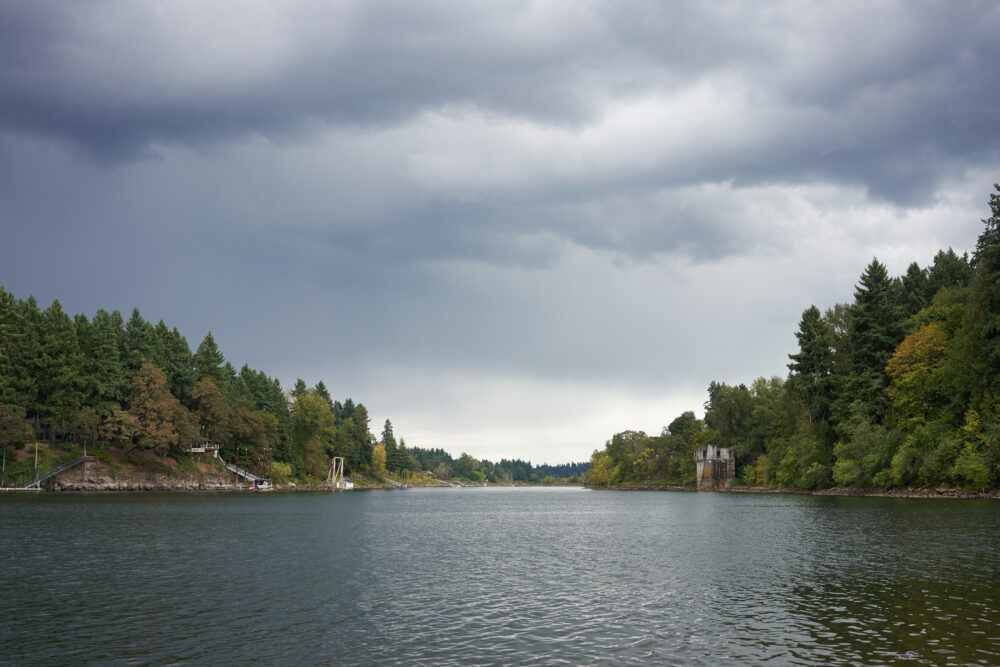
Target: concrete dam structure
<point>715,467</point>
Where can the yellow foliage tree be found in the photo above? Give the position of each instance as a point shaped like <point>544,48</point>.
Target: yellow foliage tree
<point>378,461</point>
<point>315,427</point>
<point>916,388</point>
<point>603,472</point>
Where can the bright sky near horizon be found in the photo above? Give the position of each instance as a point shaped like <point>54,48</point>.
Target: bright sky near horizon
<point>512,228</point>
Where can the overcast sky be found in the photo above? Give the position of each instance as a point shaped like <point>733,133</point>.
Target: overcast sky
<point>514,228</point>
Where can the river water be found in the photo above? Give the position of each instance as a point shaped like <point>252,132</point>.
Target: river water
<point>498,576</point>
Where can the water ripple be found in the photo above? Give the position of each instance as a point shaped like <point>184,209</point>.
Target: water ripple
<point>499,576</point>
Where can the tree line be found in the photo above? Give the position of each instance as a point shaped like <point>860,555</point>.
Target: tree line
<point>139,387</point>
<point>443,466</point>
<point>900,387</point>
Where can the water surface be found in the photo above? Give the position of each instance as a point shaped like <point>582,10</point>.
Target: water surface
<point>498,576</point>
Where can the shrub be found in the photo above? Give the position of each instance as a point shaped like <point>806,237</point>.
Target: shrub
<point>281,473</point>
<point>971,471</point>
<point>906,463</point>
<point>817,477</point>
<point>788,471</point>
<point>846,472</point>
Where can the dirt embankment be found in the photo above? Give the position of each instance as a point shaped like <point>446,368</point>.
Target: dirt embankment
<point>167,475</point>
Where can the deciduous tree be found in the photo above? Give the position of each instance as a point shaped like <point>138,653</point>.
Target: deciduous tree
<point>153,406</point>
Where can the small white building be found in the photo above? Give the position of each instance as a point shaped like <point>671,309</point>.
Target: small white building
<point>715,467</point>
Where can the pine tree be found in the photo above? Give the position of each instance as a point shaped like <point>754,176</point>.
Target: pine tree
<point>948,270</point>
<point>209,363</point>
<point>876,329</point>
<point>322,391</point>
<point>362,450</point>
<point>981,332</point>
<point>12,338</point>
<point>914,288</point>
<point>104,374</point>
<point>401,457</point>
<point>139,342</point>
<point>389,442</point>
<point>60,368</point>
<point>812,369</point>
<point>178,365</point>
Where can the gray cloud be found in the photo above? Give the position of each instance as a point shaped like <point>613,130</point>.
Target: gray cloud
<point>609,204</point>
<point>867,92</point>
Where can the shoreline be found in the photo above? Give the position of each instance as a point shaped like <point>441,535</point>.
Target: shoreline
<point>884,492</point>
<point>204,475</point>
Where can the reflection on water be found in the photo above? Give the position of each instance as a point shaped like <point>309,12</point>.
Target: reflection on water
<point>499,576</point>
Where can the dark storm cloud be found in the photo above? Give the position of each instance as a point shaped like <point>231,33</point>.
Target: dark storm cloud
<point>886,97</point>
<point>482,213</point>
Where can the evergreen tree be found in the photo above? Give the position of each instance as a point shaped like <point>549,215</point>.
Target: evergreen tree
<point>300,389</point>
<point>13,336</point>
<point>104,376</point>
<point>915,290</point>
<point>324,393</point>
<point>387,436</point>
<point>401,460</point>
<point>362,437</point>
<point>982,326</point>
<point>876,330</point>
<point>161,341</point>
<point>812,369</point>
<point>389,442</point>
<point>948,270</point>
<point>139,342</point>
<point>347,410</point>
<point>266,396</point>
<point>230,382</point>
<point>59,368</point>
<point>209,363</point>
<point>28,363</point>
<point>178,365</point>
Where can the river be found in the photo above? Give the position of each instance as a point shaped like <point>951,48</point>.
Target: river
<point>485,576</point>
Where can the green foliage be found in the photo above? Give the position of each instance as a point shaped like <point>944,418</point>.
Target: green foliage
<point>14,427</point>
<point>104,456</point>
<point>899,388</point>
<point>914,290</point>
<point>876,328</point>
<point>916,391</point>
<point>972,470</point>
<point>846,472</point>
<point>817,477</point>
<point>138,385</point>
<point>948,271</point>
<point>209,363</point>
<point>603,471</point>
<point>281,472</point>
<point>812,369</point>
